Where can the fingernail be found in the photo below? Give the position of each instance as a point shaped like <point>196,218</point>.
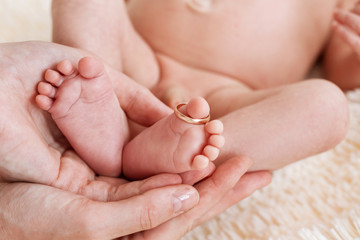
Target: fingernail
<point>184,199</point>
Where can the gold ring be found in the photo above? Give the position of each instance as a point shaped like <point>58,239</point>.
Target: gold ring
<point>196,121</point>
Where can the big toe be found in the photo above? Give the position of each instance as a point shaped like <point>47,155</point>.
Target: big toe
<point>90,67</point>
<point>198,108</point>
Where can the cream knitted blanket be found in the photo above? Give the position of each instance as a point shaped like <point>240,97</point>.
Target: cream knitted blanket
<point>315,199</point>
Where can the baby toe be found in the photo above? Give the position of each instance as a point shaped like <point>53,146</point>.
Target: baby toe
<point>90,67</point>
<point>46,89</point>
<point>214,127</point>
<point>65,67</point>
<point>211,152</point>
<point>200,162</point>
<point>217,141</point>
<point>44,102</point>
<point>53,77</point>
<point>198,108</point>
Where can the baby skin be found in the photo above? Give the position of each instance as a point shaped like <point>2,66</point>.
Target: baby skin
<point>246,58</point>
<point>85,108</point>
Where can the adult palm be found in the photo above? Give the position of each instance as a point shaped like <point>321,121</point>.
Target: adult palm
<point>59,185</point>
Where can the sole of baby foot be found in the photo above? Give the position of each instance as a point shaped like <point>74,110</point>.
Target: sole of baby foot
<point>173,145</point>
<point>83,105</point>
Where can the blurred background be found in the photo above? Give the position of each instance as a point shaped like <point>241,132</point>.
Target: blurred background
<point>22,20</point>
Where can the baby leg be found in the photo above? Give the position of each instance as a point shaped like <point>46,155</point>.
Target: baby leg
<point>85,108</point>
<point>104,28</point>
<point>91,25</point>
<point>278,126</point>
<point>173,145</point>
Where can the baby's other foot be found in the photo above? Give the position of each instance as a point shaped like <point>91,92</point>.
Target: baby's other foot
<point>173,145</point>
<point>85,108</point>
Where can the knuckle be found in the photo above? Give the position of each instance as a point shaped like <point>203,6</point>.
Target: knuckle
<point>148,217</point>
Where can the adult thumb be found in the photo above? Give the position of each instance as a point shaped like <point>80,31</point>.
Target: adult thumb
<point>141,212</point>
<point>138,102</point>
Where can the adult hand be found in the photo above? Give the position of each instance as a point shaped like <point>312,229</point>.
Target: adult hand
<point>91,207</point>
<point>31,146</point>
<point>228,185</point>
<point>347,25</point>
<point>32,149</point>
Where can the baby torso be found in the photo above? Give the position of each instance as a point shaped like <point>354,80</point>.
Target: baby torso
<point>257,43</point>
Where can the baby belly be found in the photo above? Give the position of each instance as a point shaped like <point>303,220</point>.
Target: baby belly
<point>259,43</point>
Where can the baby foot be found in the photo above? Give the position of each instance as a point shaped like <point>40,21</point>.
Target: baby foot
<point>85,108</point>
<point>173,145</point>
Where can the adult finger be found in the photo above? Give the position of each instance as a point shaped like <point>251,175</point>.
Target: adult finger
<point>211,191</point>
<point>348,19</point>
<point>114,192</point>
<point>25,210</point>
<point>76,177</point>
<point>248,184</point>
<point>139,213</point>
<point>223,180</point>
<point>138,102</point>
<point>348,35</point>
<point>192,177</point>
